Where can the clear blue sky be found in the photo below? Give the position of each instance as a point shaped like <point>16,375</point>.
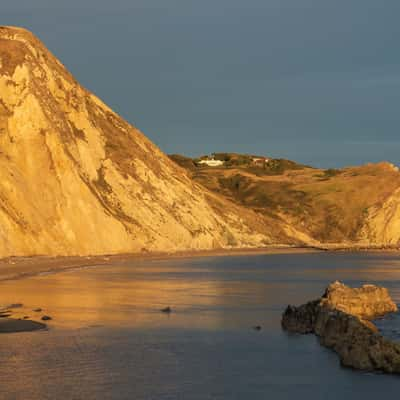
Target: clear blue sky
<point>316,81</point>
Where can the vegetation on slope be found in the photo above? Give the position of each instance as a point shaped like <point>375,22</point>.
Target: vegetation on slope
<point>331,205</point>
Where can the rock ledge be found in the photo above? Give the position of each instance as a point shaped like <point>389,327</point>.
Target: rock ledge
<point>341,318</point>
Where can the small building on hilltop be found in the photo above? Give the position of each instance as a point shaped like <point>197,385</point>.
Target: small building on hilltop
<point>212,162</point>
<point>260,161</point>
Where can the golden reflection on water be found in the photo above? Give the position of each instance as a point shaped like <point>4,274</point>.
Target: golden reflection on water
<point>203,295</point>
<point>104,296</point>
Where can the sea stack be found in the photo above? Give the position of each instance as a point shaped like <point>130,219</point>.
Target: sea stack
<point>341,318</point>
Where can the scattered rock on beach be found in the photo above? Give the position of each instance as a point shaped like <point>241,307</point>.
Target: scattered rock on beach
<point>37,310</point>
<point>257,328</point>
<point>341,319</point>
<point>166,310</point>
<point>46,318</point>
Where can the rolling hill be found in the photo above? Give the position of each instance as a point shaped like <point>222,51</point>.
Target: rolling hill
<point>355,206</point>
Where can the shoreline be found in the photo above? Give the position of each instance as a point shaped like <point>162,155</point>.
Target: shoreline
<point>20,267</point>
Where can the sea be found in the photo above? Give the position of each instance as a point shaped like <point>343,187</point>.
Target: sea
<point>108,338</point>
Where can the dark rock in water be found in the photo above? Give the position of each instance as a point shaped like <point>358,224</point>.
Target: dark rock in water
<point>10,325</point>
<point>166,310</point>
<point>46,318</point>
<point>37,310</point>
<point>300,319</point>
<point>341,319</point>
<point>257,328</point>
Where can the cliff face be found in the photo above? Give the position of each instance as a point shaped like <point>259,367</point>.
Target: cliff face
<point>382,223</point>
<point>75,178</point>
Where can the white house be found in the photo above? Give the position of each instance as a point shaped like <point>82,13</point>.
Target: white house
<point>212,162</point>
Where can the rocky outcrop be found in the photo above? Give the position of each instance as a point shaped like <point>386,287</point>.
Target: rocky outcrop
<point>10,324</point>
<point>367,302</point>
<point>341,318</point>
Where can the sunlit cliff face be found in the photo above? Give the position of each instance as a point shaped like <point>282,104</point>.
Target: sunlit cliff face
<point>75,178</point>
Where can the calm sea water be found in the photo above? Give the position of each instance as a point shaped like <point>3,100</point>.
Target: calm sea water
<point>108,339</point>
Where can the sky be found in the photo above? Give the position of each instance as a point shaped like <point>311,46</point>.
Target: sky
<point>316,81</point>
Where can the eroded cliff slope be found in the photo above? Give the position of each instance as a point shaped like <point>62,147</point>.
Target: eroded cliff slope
<point>75,178</point>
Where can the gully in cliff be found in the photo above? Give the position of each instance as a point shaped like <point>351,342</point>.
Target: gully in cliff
<point>341,319</point>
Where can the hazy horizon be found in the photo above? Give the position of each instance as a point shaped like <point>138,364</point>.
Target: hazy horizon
<point>312,81</point>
